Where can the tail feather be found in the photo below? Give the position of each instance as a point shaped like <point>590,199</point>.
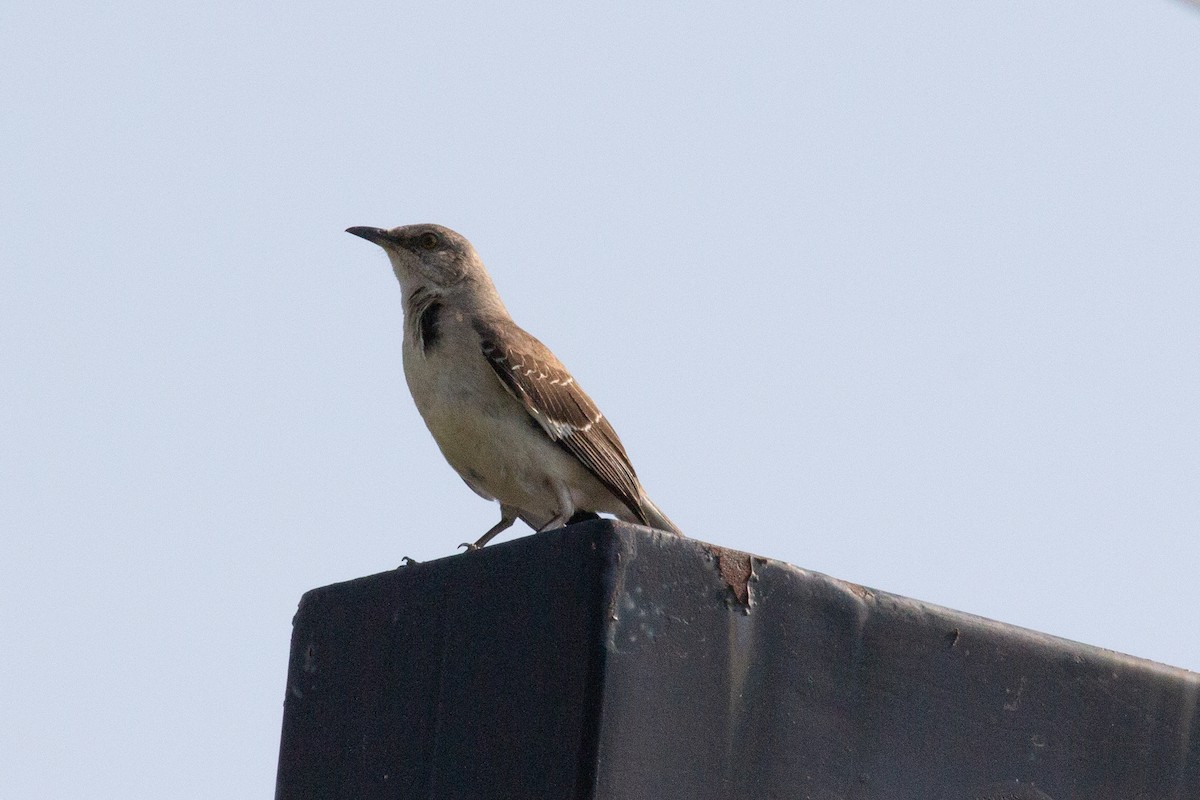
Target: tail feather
<point>655,518</point>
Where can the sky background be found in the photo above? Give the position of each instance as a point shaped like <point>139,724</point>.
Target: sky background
<point>905,293</point>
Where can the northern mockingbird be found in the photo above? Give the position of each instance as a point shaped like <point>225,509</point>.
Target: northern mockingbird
<point>505,412</point>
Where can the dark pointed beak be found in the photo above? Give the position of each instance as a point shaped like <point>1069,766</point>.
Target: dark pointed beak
<point>377,235</point>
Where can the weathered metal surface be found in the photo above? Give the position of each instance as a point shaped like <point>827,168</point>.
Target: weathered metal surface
<point>606,661</point>
<point>476,676</point>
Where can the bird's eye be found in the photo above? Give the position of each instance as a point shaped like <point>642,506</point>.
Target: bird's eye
<point>429,240</point>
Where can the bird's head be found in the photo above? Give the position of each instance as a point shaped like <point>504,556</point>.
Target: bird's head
<point>425,255</point>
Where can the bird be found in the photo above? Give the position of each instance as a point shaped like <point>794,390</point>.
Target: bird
<point>504,411</point>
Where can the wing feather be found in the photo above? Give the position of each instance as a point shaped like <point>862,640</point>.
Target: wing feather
<point>533,375</point>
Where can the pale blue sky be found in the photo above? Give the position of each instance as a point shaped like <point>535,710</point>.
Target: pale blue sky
<point>901,292</point>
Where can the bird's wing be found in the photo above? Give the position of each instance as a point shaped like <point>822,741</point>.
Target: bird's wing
<point>533,375</point>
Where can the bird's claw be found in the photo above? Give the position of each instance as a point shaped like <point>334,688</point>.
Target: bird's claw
<point>407,562</point>
<point>471,547</point>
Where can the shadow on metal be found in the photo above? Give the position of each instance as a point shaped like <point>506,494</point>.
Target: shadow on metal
<point>608,661</point>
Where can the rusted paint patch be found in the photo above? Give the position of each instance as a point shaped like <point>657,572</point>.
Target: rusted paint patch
<point>735,569</point>
<point>861,592</point>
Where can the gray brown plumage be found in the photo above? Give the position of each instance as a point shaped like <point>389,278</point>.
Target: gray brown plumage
<point>503,409</point>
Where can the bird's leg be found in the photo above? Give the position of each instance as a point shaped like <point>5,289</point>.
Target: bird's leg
<point>557,522</point>
<point>508,515</point>
<point>566,508</point>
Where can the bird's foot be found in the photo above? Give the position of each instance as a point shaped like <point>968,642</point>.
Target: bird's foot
<point>407,562</point>
<point>471,546</point>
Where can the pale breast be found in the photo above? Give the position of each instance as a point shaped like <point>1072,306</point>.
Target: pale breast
<point>483,432</point>
<point>486,434</point>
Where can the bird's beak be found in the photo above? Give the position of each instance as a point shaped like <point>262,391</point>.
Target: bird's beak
<point>377,235</point>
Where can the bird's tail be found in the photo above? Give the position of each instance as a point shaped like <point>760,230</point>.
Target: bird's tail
<point>656,518</point>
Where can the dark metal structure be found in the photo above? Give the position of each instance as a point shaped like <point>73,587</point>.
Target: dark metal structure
<point>607,661</point>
